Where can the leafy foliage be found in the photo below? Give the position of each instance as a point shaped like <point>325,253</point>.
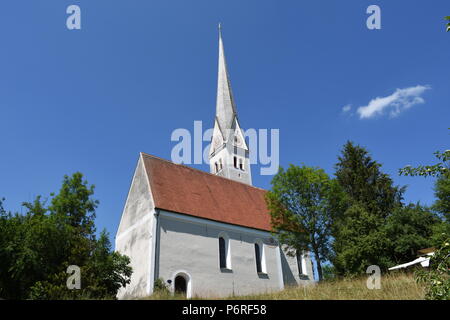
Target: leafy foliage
<point>329,273</point>
<point>36,248</point>
<point>160,286</point>
<point>441,171</point>
<point>437,279</point>
<point>441,231</point>
<point>360,241</point>
<point>409,229</point>
<point>436,170</point>
<point>300,211</point>
<point>448,24</point>
<point>355,220</point>
<point>442,193</point>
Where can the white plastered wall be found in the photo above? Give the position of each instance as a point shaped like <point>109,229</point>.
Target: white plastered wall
<point>190,246</point>
<point>135,235</point>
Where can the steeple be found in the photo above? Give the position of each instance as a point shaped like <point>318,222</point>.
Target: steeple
<point>225,108</point>
<point>229,154</point>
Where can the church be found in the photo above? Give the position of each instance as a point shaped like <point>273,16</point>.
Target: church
<point>205,234</point>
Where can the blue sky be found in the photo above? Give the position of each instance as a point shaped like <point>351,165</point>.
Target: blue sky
<point>90,100</point>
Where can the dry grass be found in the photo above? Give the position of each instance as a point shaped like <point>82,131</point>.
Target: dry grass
<point>165,296</point>
<point>393,287</point>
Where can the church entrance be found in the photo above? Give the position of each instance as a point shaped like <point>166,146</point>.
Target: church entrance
<point>180,285</point>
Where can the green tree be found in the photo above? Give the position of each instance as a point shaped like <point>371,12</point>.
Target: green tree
<point>31,244</point>
<point>441,171</point>
<point>409,229</point>
<point>300,211</point>
<point>40,245</point>
<point>7,232</point>
<point>328,272</point>
<point>359,241</point>
<point>369,197</point>
<point>448,24</point>
<point>441,231</point>
<point>442,193</point>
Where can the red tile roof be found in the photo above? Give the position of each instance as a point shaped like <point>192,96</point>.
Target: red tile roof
<point>185,190</point>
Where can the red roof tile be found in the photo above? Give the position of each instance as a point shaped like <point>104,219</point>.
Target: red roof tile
<point>185,190</point>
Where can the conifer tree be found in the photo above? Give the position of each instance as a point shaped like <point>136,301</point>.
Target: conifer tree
<point>360,239</point>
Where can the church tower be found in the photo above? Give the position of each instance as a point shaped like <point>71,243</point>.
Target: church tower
<point>229,153</point>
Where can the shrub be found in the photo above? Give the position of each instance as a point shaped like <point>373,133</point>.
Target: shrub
<point>437,278</point>
<point>160,286</point>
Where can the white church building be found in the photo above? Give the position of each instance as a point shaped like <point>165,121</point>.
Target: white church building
<point>205,234</point>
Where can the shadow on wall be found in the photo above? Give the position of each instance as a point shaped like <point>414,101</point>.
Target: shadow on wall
<point>288,276</point>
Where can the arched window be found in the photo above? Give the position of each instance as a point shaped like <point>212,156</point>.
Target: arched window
<point>224,251</point>
<point>258,258</point>
<point>241,164</point>
<point>301,263</point>
<point>235,162</point>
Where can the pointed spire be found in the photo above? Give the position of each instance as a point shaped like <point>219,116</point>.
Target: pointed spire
<point>225,108</point>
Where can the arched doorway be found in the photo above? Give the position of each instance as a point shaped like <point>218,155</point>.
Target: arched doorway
<point>180,285</point>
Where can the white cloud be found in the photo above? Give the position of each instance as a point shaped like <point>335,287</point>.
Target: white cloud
<point>346,108</point>
<point>397,102</point>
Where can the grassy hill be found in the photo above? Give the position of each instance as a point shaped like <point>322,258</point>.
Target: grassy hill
<point>393,287</point>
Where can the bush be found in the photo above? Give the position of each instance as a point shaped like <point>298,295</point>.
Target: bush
<point>160,286</point>
<point>37,247</point>
<point>437,278</point>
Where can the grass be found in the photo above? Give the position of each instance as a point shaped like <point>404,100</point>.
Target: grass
<point>398,286</point>
<point>393,287</point>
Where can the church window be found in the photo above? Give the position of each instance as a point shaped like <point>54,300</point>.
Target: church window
<point>223,259</point>
<point>224,252</point>
<point>216,167</point>
<point>241,165</point>
<point>220,164</point>
<point>235,162</point>
<point>258,258</point>
<point>301,263</point>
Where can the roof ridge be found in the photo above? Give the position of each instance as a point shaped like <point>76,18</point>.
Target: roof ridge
<point>194,169</point>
